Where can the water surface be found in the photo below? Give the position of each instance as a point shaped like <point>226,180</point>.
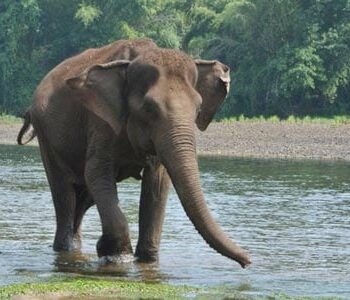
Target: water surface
<point>292,216</point>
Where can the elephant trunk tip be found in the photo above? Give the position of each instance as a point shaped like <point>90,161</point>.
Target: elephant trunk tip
<point>242,257</point>
<point>245,262</point>
<point>224,245</point>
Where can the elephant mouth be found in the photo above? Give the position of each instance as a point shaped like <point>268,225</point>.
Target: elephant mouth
<point>142,151</point>
<point>149,152</point>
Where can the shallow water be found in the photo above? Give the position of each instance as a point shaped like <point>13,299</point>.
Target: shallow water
<point>292,216</point>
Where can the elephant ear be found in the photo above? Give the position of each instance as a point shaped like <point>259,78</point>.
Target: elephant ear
<point>213,85</point>
<point>101,91</point>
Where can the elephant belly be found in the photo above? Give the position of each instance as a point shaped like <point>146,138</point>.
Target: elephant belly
<point>127,171</point>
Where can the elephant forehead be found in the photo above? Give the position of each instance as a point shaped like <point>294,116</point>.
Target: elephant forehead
<point>171,62</point>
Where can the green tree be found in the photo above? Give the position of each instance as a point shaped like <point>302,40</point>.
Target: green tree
<point>38,34</point>
<point>19,23</point>
<point>288,56</point>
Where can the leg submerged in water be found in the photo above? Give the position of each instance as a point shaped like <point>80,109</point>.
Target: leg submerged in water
<point>115,238</point>
<point>154,193</point>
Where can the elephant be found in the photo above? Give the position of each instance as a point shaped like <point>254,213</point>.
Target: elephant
<point>127,109</point>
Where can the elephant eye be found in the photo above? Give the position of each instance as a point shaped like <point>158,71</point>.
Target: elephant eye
<point>150,107</point>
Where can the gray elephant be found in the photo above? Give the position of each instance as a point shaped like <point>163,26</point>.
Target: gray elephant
<point>127,109</point>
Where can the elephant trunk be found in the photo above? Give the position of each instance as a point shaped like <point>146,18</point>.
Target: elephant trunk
<point>179,158</point>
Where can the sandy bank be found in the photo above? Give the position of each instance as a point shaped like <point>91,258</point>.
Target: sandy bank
<point>277,140</point>
<point>258,139</point>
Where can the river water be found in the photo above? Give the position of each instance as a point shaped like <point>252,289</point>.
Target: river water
<point>292,216</point>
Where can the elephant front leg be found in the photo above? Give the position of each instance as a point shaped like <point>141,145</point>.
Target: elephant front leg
<point>154,193</point>
<point>115,238</point>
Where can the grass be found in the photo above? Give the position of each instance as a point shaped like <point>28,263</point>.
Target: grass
<point>336,120</point>
<point>82,287</point>
<point>9,119</point>
<point>88,287</point>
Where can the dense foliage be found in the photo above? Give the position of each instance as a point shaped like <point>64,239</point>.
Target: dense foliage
<point>287,56</point>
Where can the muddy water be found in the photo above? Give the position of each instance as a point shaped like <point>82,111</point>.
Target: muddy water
<point>293,217</point>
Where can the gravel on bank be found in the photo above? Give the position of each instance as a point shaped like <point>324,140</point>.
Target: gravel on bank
<point>258,139</point>
<point>277,140</point>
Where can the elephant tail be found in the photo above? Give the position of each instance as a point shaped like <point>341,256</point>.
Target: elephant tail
<point>24,129</point>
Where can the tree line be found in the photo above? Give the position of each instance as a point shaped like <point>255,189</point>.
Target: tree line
<point>288,57</point>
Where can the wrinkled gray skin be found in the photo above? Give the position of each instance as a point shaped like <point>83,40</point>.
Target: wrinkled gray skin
<point>128,109</point>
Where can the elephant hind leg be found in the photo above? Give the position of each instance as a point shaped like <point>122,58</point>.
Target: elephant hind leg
<point>83,202</point>
<point>63,196</point>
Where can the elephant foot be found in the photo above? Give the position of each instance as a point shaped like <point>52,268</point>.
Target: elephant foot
<point>60,245</point>
<point>146,255</point>
<point>108,246</point>
<point>68,243</point>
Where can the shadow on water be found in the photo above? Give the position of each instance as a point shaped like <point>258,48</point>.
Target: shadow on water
<point>292,216</point>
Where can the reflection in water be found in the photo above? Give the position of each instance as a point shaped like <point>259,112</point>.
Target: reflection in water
<point>73,262</point>
<point>293,217</point>
<point>76,262</point>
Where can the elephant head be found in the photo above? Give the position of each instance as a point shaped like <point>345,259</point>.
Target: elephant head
<point>159,97</point>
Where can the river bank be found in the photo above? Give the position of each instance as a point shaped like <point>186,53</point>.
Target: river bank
<point>260,139</point>
<point>94,289</point>
<point>110,288</point>
<point>265,139</point>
